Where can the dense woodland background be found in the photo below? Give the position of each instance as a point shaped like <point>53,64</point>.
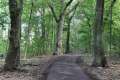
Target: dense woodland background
<point>45,27</point>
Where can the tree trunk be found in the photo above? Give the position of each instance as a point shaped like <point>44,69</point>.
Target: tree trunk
<point>60,25</point>
<point>43,22</point>
<point>12,60</point>
<point>111,11</point>
<point>98,50</point>
<point>58,48</point>
<point>28,31</point>
<point>67,50</point>
<point>43,30</point>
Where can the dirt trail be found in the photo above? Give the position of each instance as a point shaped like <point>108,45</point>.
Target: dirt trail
<point>64,68</point>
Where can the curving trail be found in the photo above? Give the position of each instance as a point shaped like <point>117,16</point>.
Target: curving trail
<point>64,68</point>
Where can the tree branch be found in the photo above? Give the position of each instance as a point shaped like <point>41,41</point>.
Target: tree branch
<point>66,6</point>
<point>73,8</point>
<point>53,12</point>
<point>113,2</point>
<point>70,18</point>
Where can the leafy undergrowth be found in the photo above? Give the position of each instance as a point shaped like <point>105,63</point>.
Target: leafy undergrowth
<point>110,73</point>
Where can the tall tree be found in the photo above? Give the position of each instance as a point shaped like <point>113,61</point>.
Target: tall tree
<point>43,28</point>
<point>111,10</point>
<point>69,19</point>
<point>12,60</point>
<point>60,24</point>
<point>28,29</point>
<point>98,49</point>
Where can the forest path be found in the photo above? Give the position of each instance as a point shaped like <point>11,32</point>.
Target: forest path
<point>64,68</point>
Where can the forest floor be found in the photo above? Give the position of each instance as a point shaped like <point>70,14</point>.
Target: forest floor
<point>110,73</point>
<point>29,66</point>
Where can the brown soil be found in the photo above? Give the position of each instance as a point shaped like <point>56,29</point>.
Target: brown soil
<point>110,73</point>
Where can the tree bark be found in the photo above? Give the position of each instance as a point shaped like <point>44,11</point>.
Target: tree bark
<point>43,30</point>
<point>60,25</point>
<point>12,60</point>
<point>28,31</point>
<point>70,17</point>
<point>111,11</point>
<point>67,50</point>
<point>58,48</point>
<point>98,50</point>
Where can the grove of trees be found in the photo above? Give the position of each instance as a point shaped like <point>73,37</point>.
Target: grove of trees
<point>55,27</point>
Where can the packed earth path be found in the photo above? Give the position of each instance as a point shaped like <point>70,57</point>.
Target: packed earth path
<point>65,67</point>
<point>62,67</point>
